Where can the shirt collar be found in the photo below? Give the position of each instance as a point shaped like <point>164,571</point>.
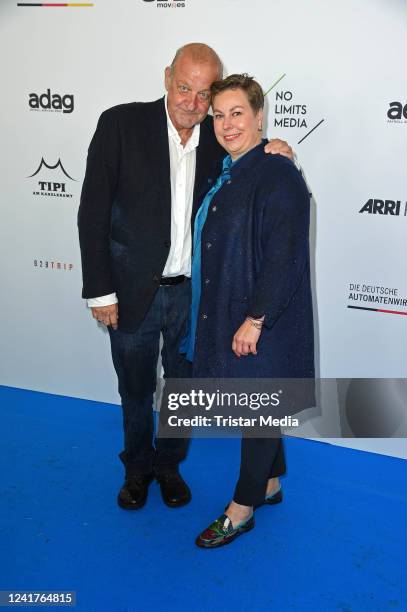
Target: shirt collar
<point>193,141</point>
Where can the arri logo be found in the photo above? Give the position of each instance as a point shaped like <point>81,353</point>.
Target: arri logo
<point>397,113</point>
<point>384,207</point>
<point>51,102</point>
<point>55,187</point>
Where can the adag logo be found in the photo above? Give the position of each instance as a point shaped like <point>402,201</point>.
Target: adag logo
<point>51,103</point>
<point>397,113</point>
<point>384,207</point>
<point>52,188</point>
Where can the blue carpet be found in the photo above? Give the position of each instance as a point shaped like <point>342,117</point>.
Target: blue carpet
<point>338,542</point>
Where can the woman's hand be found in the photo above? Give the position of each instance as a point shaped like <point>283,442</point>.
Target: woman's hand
<point>246,338</point>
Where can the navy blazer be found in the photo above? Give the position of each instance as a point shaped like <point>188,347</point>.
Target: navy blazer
<point>124,216</point>
<point>255,261</point>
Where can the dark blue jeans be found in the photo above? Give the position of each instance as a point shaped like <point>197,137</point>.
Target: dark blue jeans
<point>135,357</point>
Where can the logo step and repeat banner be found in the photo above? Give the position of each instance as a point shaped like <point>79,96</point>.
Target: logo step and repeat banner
<point>335,92</point>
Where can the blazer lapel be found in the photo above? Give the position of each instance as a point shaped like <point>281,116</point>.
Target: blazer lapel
<point>158,144</point>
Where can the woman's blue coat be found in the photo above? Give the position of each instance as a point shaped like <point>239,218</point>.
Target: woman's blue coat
<point>255,261</point>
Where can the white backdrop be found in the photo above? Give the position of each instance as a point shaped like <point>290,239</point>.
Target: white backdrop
<point>342,63</point>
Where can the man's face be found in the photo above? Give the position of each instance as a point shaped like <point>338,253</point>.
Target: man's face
<point>188,90</point>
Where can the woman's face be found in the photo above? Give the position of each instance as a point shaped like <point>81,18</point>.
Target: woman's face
<point>237,126</point>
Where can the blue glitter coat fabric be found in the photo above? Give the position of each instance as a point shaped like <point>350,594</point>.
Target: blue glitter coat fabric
<point>255,260</point>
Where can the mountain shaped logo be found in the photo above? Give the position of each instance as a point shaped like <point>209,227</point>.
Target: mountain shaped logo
<point>43,163</point>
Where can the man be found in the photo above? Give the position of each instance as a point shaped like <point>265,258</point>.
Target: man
<point>149,164</point>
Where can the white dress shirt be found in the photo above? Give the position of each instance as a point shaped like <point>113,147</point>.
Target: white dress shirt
<point>182,170</point>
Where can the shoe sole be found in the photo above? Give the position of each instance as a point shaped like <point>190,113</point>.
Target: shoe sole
<point>201,544</point>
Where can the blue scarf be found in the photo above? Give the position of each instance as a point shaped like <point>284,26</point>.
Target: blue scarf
<point>188,343</point>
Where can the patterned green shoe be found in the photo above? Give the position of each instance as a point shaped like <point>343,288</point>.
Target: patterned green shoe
<point>222,532</point>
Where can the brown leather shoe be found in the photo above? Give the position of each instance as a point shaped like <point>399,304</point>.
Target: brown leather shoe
<point>133,494</point>
<point>174,490</point>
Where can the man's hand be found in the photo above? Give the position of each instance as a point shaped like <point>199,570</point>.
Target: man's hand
<point>108,315</point>
<point>245,339</point>
<point>275,145</point>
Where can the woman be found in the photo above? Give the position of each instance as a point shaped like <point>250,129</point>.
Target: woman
<point>251,314</point>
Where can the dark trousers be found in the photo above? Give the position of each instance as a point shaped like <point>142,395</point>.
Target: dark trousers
<point>261,459</point>
<point>135,357</point>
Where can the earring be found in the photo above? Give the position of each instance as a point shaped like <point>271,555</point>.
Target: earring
<point>260,128</point>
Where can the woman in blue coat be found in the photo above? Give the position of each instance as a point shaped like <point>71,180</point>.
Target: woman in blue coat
<point>251,313</point>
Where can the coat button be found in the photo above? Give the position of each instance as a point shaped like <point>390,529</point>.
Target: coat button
<point>208,245</point>
<point>156,278</point>
<point>214,208</point>
<point>167,244</point>
<point>229,181</point>
<point>209,180</point>
<point>204,316</point>
<point>207,281</point>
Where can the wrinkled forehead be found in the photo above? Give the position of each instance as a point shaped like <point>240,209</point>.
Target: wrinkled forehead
<point>193,72</point>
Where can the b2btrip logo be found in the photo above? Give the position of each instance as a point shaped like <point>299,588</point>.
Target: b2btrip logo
<point>51,102</point>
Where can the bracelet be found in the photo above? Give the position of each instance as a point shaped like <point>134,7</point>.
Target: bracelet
<point>258,324</point>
